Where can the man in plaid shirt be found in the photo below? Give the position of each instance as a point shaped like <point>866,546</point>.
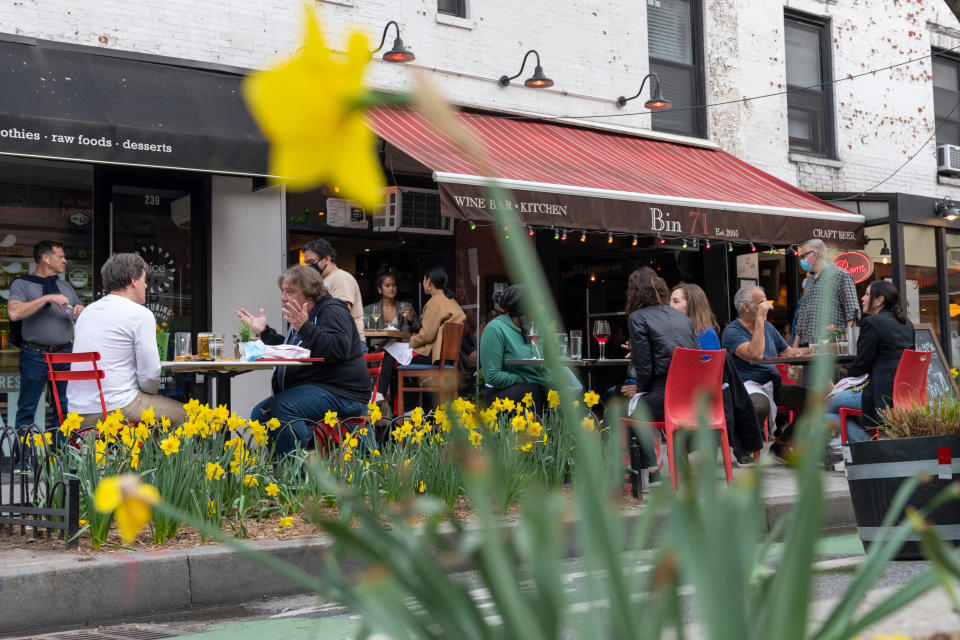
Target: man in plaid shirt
<point>828,286</point>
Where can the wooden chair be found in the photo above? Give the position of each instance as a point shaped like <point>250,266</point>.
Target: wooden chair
<point>93,373</point>
<point>442,378</point>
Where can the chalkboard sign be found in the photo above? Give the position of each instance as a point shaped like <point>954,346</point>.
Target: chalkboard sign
<point>939,380</point>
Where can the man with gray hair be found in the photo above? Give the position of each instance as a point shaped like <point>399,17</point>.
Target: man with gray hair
<point>826,286</point>
<point>124,332</point>
<point>750,338</point>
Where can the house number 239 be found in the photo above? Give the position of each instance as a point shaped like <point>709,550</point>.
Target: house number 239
<point>151,199</point>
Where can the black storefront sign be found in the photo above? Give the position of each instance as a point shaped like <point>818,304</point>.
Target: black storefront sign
<point>81,104</point>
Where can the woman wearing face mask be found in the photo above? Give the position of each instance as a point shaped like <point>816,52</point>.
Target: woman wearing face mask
<point>690,299</point>
<point>884,333</point>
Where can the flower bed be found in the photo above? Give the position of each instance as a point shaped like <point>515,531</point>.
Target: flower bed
<point>218,467</point>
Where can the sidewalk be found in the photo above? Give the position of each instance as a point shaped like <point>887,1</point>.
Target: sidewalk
<point>56,589</point>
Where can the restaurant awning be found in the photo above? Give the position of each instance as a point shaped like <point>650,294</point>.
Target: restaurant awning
<point>578,178</point>
<point>90,105</point>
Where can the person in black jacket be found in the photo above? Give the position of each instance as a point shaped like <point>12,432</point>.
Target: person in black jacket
<point>884,333</point>
<point>301,395</point>
<point>655,330</point>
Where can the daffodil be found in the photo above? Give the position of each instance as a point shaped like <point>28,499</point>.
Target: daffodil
<point>591,398</point>
<point>147,416</point>
<point>129,500</point>
<point>71,423</point>
<point>310,109</point>
<point>250,481</point>
<point>553,399</point>
<point>330,418</point>
<point>527,399</point>
<point>273,424</point>
<point>416,416</point>
<point>588,423</point>
<point>170,445</point>
<point>215,471</point>
<point>272,489</point>
<point>421,487</point>
<point>374,413</point>
<point>285,522</point>
<point>519,423</point>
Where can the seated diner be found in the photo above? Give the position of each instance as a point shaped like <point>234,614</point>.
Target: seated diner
<point>389,312</point>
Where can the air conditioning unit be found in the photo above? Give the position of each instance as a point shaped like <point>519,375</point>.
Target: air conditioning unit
<point>412,211</point>
<point>948,159</point>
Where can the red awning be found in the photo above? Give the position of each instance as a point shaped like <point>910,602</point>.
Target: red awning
<point>573,177</point>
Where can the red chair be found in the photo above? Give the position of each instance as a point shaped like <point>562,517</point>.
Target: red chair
<point>324,433</point>
<point>94,373</point>
<point>909,388</point>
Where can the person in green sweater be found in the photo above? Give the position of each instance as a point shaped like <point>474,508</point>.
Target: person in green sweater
<point>506,338</point>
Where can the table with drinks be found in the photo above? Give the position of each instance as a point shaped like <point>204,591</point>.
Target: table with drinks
<point>570,350</point>
<point>208,358</point>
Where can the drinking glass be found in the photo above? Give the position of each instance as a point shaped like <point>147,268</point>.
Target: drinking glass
<point>576,344</point>
<point>843,345</point>
<point>375,315</point>
<point>403,308</point>
<point>203,345</point>
<point>601,333</point>
<point>215,347</point>
<point>562,345</point>
<point>532,332</point>
<point>182,341</point>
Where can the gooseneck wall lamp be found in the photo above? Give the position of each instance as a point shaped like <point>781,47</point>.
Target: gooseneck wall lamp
<point>397,53</point>
<point>656,103</point>
<point>537,81</point>
<point>947,209</point>
<point>884,252</point>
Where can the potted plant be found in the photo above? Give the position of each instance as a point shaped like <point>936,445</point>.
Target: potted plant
<point>919,440</point>
<point>244,334</point>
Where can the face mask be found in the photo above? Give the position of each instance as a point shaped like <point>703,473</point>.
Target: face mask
<point>806,266</point>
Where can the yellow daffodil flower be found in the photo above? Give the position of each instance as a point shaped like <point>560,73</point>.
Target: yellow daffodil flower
<point>591,398</point>
<point>308,108</point>
<point>330,418</point>
<point>71,424</point>
<point>354,442</point>
<point>527,399</point>
<point>553,399</point>
<point>416,416</point>
<point>250,481</point>
<point>376,453</point>
<point>170,445</point>
<point>475,438</point>
<point>148,417</point>
<point>534,429</point>
<point>526,447</point>
<point>285,522</point>
<point>508,404</point>
<point>374,413</point>
<point>519,423</point>
<point>100,451</point>
<point>129,500</point>
<point>588,424</point>
<point>215,471</point>
<point>273,424</point>
<point>272,489</point>
<point>421,487</point>
<point>347,455</point>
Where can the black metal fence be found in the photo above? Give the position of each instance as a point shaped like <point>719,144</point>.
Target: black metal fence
<point>36,496</point>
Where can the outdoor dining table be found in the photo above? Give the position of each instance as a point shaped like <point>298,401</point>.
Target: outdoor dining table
<point>385,333</point>
<point>804,360</point>
<point>584,363</point>
<point>223,370</point>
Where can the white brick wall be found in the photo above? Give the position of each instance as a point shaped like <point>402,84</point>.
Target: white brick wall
<point>594,50</point>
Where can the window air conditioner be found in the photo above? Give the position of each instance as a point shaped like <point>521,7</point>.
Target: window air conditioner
<point>412,211</point>
<point>948,159</point>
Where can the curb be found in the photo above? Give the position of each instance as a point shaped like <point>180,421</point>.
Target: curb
<point>55,590</point>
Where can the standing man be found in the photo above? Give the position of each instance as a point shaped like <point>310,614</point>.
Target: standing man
<point>125,333</point>
<point>826,285</point>
<point>46,306</point>
<point>320,255</point>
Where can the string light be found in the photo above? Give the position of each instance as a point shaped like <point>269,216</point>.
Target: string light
<point>583,236</point>
<point>729,247</point>
<point>684,245</point>
<point>593,277</point>
<point>634,243</point>
<point>530,231</point>
<point>563,236</point>
<point>753,249</point>
<point>609,238</point>
<point>473,225</point>
<point>556,234</point>
<point>660,239</point>
<point>707,245</point>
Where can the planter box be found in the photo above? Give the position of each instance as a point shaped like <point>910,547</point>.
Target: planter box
<point>876,469</point>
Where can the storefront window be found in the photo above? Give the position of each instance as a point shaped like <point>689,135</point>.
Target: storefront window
<point>922,293</point>
<point>40,200</point>
<point>953,274</point>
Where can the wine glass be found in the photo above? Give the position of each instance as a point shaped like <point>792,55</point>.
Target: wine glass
<point>532,332</point>
<point>601,333</point>
<point>375,315</point>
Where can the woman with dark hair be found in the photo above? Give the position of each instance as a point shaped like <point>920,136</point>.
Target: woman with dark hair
<point>506,338</point>
<point>389,311</point>
<point>690,299</point>
<point>885,332</point>
<point>440,309</point>
<point>655,329</point>
<point>323,325</point>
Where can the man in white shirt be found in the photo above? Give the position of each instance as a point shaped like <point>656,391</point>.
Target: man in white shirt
<point>124,332</point>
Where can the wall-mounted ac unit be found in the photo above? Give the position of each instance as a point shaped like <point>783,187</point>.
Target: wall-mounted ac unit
<point>412,211</point>
<point>948,159</point>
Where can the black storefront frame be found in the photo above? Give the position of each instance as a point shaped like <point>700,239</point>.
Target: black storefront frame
<point>201,220</point>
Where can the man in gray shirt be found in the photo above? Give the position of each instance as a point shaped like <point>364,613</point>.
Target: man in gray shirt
<point>46,306</point>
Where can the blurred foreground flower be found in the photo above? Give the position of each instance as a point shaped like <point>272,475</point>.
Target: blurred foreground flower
<point>129,500</point>
<point>311,109</point>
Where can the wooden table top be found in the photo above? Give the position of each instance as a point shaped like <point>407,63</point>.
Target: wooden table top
<point>385,333</point>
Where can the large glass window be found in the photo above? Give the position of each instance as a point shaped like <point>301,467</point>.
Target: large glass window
<point>946,98</point>
<point>809,103</point>
<point>40,200</point>
<point>456,8</point>
<point>675,51</point>
<point>922,295</point>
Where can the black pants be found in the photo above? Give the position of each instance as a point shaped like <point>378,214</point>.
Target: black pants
<point>388,368</point>
<point>517,392</point>
<point>785,395</point>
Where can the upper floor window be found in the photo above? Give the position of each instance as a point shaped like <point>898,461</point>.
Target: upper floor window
<point>946,98</point>
<point>456,8</point>
<point>675,48</point>
<point>810,101</point>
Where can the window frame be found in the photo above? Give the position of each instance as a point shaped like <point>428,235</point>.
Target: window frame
<point>943,56</point>
<point>461,10</point>
<point>827,147</point>
<point>699,73</point>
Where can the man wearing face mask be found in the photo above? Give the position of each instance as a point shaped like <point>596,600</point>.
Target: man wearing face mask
<point>46,306</point>
<point>826,285</point>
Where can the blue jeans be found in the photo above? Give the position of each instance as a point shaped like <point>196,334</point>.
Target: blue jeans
<point>33,380</point>
<point>295,408</point>
<point>846,398</point>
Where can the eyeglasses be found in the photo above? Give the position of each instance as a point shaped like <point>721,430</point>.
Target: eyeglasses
<point>804,255</point>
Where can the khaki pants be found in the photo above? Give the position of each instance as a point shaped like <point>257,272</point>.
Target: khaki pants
<point>162,406</point>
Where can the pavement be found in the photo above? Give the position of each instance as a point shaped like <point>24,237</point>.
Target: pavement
<point>97,588</point>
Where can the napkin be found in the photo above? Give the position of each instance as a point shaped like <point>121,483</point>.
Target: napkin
<point>286,352</point>
<point>400,351</point>
<point>846,383</point>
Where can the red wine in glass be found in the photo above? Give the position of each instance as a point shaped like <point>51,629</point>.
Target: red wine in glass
<point>601,333</point>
